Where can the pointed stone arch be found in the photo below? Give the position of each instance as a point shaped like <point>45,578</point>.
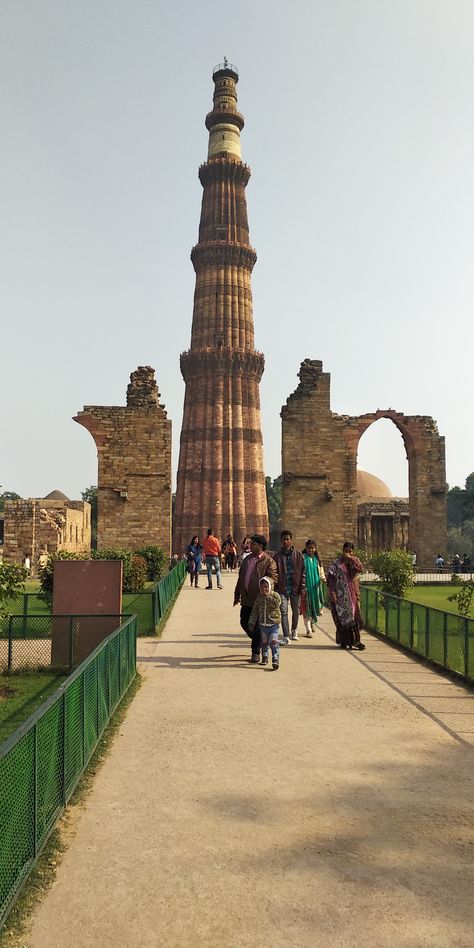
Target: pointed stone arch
<point>319,459</point>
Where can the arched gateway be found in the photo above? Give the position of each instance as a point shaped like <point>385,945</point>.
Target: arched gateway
<point>319,465</point>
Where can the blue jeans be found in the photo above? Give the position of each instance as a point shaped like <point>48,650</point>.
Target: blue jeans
<point>270,637</point>
<point>295,613</point>
<point>210,562</point>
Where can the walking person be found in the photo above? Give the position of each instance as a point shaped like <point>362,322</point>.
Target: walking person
<point>194,557</point>
<point>291,585</point>
<point>230,550</point>
<point>312,601</point>
<point>266,611</point>
<point>343,587</point>
<point>212,552</point>
<point>257,564</point>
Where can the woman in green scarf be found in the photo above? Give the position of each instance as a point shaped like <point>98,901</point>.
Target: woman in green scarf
<point>313,600</point>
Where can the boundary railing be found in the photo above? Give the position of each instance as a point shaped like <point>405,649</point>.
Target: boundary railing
<point>42,761</point>
<point>443,637</point>
<point>423,576</point>
<point>26,641</point>
<point>149,605</point>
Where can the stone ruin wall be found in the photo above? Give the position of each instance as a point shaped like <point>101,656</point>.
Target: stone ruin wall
<point>319,467</point>
<point>134,466</point>
<point>34,525</point>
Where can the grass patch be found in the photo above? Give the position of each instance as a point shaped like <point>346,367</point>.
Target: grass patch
<point>19,921</point>
<point>21,693</point>
<point>436,597</point>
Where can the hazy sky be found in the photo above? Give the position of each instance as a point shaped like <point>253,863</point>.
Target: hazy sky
<point>360,135</point>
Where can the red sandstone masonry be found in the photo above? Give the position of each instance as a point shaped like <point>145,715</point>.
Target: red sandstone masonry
<point>221,481</point>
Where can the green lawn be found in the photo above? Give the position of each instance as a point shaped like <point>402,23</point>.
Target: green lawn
<point>436,597</point>
<point>20,694</point>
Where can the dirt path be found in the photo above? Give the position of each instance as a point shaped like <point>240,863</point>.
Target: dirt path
<point>318,806</point>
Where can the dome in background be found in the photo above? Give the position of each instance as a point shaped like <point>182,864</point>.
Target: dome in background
<point>58,495</point>
<point>370,486</point>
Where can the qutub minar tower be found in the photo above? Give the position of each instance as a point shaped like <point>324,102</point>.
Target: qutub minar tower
<point>221,482</point>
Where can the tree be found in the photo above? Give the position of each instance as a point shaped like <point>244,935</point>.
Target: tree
<point>395,571</point>
<point>274,500</point>
<point>455,507</point>
<point>469,498</point>
<point>90,494</point>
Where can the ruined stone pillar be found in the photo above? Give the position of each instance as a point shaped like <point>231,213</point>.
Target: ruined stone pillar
<point>221,481</point>
<point>134,477</point>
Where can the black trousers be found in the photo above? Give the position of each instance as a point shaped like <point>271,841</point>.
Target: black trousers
<point>256,635</point>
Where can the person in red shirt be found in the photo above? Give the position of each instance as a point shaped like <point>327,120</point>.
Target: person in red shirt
<point>212,553</point>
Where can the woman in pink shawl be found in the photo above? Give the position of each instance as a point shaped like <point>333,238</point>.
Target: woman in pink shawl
<point>343,589</point>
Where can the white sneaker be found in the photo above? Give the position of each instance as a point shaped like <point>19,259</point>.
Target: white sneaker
<point>294,636</point>
<point>284,641</point>
<point>309,634</point>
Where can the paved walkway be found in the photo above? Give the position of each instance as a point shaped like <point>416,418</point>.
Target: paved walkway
<point>327,804</point>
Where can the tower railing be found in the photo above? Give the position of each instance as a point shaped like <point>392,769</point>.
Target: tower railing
<point>225,66</point>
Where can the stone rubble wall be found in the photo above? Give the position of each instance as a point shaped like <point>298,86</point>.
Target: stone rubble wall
<point>35,525</point>
<point>319,466</point>
<point>134,461</point>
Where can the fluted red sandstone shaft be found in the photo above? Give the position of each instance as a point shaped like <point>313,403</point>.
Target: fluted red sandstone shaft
<point>221,481</point>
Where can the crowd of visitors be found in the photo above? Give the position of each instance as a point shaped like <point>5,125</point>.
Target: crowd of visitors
<point>270,587</point>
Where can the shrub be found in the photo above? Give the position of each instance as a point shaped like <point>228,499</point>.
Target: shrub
<point>12,578</point>
<point>137,574</point>
<point>395,571</point>
<point>134,567</point>
<point>156,561</point>
<point>463,595</point>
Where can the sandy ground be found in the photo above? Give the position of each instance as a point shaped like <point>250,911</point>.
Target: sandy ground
<point>326,804</point>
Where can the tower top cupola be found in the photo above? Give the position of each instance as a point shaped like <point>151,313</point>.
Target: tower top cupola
<point>224,122</point>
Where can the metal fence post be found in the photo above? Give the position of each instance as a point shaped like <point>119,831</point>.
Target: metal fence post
<point>376,611</point>
<point>108,680</point>
<point>412,631</point>
<point>398,619</point>
<point>120,662</point>
<point>97,699</point>
<point>154,607</point>
<point>24,625</point>
<point>83,718</point>
<point>445,640</point>
<point>10,643</point>
<point>35,779</point>
<point>466,648</point>
<point>64,748</point>
<point>427,632</point>
<point>71,642</point>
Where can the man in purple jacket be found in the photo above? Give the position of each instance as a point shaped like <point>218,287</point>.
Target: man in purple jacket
<point>291,584</point>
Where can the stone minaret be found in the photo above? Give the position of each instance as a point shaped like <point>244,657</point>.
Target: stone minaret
<point>221,482</point>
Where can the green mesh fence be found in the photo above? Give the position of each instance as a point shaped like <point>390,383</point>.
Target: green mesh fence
<point>149,605</point>
<point>443,637</point>
<point>50,641</point>
<point>42,761</point>
<point>169,586</point>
